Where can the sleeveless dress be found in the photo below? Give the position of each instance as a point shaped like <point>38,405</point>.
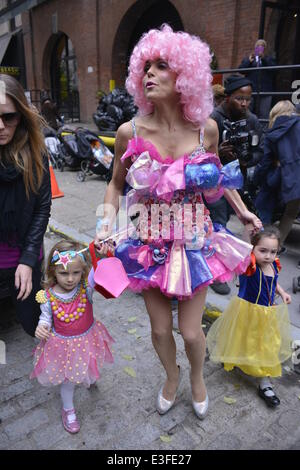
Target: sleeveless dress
<point>252,333</point>
<point>174,245</point>
<point>78,344</point>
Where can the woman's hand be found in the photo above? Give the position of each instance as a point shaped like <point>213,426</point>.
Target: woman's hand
<point>251,221</point>
<point>101,247</point>
<point>42,332</point>
<point>23,281</point>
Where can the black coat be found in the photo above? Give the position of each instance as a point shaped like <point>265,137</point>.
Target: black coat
<point>282,143</point>
<point>34,221</point>
<point>262,79</point>
<point>219,115</point>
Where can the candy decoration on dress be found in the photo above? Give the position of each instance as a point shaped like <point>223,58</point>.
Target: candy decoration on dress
<point>231,176</point>
<point>41,297</point>
<point>162,253</point>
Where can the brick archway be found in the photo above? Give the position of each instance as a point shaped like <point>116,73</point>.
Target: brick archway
<point>59,69</point>
<point>137,20</point>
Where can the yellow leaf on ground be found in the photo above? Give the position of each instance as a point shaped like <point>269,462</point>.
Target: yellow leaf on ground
<point>229,400</point>
<point>130,371</point>
<point>132,331</point>
<point>131,319</point>
<point>127,357</point>
<point>165,438</point>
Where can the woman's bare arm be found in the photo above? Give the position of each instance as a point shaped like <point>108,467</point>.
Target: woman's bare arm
<point>116,186</point>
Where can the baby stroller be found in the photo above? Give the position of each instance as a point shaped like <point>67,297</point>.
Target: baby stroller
<point>71,155</point>
<point>98,159</point>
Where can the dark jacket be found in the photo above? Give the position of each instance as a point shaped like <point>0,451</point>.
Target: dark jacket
<point>34,222</point>
<point>262,79</point>
<point>219,115</point>
<point>282,143</point>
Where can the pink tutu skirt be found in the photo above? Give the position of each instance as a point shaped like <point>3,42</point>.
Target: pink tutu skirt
<point>76,359</point>
<point>185,272</point>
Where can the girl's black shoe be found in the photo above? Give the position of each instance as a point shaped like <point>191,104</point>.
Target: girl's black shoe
<point>270,401</point>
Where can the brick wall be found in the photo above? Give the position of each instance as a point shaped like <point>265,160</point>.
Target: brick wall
<point>100,31</point>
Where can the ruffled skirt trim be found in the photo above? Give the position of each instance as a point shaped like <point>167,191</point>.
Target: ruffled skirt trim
<point>255,338</point>
<point>185,272</point>
<point>76,359</point>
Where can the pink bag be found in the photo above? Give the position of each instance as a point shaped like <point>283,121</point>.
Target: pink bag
<point>109,275</point>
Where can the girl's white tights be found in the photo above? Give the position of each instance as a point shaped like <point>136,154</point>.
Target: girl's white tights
<point>265,382</point>
<point>67,393</point>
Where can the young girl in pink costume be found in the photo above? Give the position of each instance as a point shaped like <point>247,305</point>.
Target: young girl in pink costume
<point>73,344</point>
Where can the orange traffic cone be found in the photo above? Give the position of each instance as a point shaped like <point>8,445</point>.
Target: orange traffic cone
<point>56,192</point>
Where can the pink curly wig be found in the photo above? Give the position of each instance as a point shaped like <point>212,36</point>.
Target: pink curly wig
<point>189,57</point>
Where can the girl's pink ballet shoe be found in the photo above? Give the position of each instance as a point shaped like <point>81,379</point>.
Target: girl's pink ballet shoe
<point>71,426</point>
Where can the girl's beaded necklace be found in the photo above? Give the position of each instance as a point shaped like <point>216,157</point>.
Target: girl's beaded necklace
<point>59,311</point>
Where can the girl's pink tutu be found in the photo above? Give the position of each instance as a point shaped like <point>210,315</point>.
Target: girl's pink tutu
<point>75,359</point>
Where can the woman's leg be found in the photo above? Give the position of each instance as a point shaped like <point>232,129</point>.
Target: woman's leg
<point>190,324</point>
<point>290,213</point>
<point>160,313</point>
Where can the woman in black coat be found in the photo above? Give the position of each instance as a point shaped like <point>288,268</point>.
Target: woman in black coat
<point>25,200</point>
<point>281,162</point>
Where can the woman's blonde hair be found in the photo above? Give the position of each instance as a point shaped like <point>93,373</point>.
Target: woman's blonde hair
<point>282,108</point>
<point>64,245</point>
<point>27,147</point>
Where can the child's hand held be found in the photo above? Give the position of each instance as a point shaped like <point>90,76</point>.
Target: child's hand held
<point>286,298</point>
<point>42,332</point>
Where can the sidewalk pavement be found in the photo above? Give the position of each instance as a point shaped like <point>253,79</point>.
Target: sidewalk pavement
<point>118,412</point>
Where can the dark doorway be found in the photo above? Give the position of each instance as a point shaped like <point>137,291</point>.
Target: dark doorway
<point>64,79</point>
<point>14,56</point>
<point>160,12</point>
<point>285,38</point>
<point>142,16</point>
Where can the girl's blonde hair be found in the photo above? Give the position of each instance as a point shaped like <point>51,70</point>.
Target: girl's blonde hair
<point>64,245</point>
<point>282,108</point>
<point>26,149</point>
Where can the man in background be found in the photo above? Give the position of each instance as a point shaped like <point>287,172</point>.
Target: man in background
<point>262,80</point>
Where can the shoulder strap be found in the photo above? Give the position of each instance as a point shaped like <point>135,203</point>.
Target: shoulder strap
<point>201,136</point>
<point>133,128</point>
<point>202,139</point>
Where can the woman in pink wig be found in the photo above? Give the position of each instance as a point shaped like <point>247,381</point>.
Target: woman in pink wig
<point>165,161</point>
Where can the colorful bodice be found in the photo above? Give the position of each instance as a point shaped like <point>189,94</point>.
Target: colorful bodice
<point>168,193</point>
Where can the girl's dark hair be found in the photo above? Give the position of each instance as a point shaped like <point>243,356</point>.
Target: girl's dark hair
<point>268,231</point>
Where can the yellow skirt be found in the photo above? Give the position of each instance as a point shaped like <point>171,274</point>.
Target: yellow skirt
<point>254,338</point>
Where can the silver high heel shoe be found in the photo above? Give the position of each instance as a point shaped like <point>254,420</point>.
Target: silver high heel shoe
<point>201,407</point>
<point>162,404</point>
